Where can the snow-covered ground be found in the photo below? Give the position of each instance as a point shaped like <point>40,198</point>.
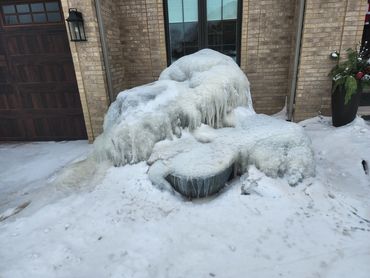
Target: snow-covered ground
<point>86,220</point>
<point>28,168</point>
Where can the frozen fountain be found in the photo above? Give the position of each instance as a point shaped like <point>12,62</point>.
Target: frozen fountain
<point>196,128</point>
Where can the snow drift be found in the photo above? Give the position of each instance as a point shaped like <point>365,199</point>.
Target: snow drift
<point>198,118</point>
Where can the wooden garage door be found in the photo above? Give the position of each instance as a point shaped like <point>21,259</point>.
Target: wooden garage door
<point>39,98</point>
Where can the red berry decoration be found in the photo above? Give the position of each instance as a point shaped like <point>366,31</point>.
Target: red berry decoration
<point>359,75</point>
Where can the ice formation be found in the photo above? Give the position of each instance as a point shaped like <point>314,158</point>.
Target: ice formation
<point>196,126</point>
<point>201,88</point>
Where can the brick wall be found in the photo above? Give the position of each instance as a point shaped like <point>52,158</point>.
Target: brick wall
<point>267,32</point>
<point>111,20</point>
<point>328,25</point>
<point>137,54</point>
<point>143,40</point>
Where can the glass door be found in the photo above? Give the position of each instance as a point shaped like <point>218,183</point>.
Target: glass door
<point>195,24</point>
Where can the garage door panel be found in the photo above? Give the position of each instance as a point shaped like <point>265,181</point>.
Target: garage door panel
<point>57,128</point>
<point>28,43</point>
<point>8,97</point>
<point>30,125</point>
<point>3,74</point>
<point>12,129</point>
<point>50,96</point>
<point>43,70</point>
<point>39,98</point>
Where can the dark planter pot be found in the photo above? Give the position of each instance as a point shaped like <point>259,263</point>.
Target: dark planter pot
<point>343,114</point>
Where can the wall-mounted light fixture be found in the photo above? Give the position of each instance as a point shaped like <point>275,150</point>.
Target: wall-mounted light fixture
<point>76,26</point>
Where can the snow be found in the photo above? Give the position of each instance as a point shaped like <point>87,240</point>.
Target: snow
<point>203,87</point>
<point>120,225</point>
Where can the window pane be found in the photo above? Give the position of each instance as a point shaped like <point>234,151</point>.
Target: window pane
<point>190,10</point>
<point>54,17</point>
<point>229,32</point>
<point>230,9</point>
<point>52,6</point>
<point>9,9</point>
<point>25,18</point>
<point>191,33</point>
<point>37,7</point>
<point>176,41</point>
<point>39,18</point>
<point>215,33</point>
<point>24,8</point>
<point>175,11</point>
<point>11,19</point>
<point>214,9</point>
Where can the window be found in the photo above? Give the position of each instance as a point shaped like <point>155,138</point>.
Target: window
<point>195,24</point>
<point>35,13</point>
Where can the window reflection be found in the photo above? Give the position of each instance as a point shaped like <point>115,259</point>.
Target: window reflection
<point>37,7</point>
<point>230,9</point>
<point>52,6</point>
<point>25,18</point>
<point>24,8</point>
<point>214,8</point>
<point>8,9</point>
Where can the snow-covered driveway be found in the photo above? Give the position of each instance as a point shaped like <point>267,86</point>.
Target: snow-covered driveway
<point>100,221</point>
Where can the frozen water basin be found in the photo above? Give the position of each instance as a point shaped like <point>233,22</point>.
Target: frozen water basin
<point>202,171</point>
<point>201,162</point>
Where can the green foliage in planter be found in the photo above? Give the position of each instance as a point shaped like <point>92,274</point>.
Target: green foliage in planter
<point>351,73</point>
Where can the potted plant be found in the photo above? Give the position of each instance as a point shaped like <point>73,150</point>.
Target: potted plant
<point>348,78</point>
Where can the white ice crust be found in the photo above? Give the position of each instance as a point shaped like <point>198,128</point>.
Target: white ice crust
<point>199,119</point>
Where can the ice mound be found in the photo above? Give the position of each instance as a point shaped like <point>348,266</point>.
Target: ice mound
<point>196,127</point>
<point>203,87</point>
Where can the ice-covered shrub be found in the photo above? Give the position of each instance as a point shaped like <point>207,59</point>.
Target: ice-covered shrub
<point>200,88</point>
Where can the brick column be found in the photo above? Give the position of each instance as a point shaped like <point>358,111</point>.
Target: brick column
<point>89,68</point>
<point>266,47</point>
<point>143,40</point>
